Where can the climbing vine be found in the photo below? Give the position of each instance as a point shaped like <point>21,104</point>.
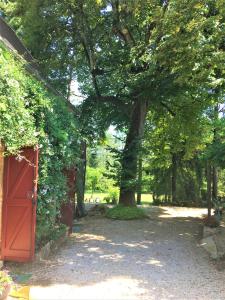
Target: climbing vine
<point>30,114</point>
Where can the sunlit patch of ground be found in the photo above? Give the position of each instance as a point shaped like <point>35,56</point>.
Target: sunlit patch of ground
<point>180,212</point>
<point>114,288</point>
<point>154,258</point>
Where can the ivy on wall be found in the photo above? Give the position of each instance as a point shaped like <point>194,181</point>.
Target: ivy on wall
<point>29,115</point>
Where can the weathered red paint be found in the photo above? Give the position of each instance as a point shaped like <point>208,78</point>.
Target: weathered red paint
<point>19,206</point>
<point>67,209</point>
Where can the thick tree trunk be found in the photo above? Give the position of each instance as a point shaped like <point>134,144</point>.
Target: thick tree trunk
<point>139,183</point>
<point>174,178</point>
<point>209,188</point>
<point>130,154</point>
<point>80,183</point>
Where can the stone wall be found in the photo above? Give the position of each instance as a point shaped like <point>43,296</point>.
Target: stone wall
<point>214,241</point>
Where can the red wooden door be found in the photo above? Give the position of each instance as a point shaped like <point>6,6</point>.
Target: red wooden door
<point>19,206</point>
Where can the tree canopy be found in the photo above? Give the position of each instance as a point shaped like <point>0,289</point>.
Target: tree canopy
<point>137,60</point>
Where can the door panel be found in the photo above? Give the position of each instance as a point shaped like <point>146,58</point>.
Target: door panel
<point>19,206</point>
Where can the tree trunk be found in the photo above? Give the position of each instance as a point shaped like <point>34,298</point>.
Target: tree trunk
<point>166,197</point>
<point>214,169</point>
<point>130,154</point>
<point>209,188</point>
<point>214,183</point>
<point>80,183</point>
<point>199,178</point>
<point>174,178</point>
<point>139,184</point>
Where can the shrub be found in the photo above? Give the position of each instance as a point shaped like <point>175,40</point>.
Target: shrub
<point>121,212</point>
<point>107,199</point>
<point>157,201</point>
<point>99,209</point>
<point>52,235</point>
<point>114,194</point>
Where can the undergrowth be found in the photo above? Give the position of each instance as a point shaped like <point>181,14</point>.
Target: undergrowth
<point>121,212</point>
<point>53,235</point>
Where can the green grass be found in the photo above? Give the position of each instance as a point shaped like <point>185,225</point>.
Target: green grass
<point>120,212</point>
<point>145,198</point>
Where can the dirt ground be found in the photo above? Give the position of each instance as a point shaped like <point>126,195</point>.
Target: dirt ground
<point>155,258</point>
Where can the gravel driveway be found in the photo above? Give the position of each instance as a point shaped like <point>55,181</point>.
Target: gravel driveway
<point>156,258</point>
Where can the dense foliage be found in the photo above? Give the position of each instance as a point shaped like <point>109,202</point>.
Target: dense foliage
<point>128,56</point>
<point>100,162</point>
<point>144,64</point>
<point>29,115</point>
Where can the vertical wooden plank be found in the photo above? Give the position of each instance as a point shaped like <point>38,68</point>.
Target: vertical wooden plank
<point>67,209</point>
<point>1,186</point>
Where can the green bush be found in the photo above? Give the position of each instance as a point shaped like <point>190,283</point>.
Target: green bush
<point>107,199</point>
<point>121,212</point>
<point>52,235</point>
<point>114,194</point>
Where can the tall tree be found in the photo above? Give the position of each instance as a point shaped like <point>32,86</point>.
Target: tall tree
<point>126,55</point>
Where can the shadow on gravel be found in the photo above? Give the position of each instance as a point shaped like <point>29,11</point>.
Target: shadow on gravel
<point>161,251</point>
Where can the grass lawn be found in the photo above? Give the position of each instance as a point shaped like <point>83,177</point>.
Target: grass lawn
<point>145,198</point>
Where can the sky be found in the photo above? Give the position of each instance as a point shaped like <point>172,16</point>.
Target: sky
<point>76,97</point>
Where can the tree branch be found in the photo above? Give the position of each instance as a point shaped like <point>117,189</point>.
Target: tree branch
<point>121,30</point>
<point>168,108</point>
<point>86,40</point>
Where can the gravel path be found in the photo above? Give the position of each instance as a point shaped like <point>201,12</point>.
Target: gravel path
<point>156,258</point>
